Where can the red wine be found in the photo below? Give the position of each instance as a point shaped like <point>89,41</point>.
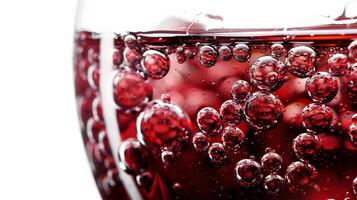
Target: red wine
<point>222,115</point>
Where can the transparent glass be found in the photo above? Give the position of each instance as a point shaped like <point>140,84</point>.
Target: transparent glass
<point>218,100</point>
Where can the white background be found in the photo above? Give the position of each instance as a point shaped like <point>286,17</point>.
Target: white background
<point>41,152</point>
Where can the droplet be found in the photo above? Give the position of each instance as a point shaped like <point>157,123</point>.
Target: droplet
<point>338,64</point>
<point>274,184</point>
<point>225,53</point>
<point>131,90</point>
<point>322,87</point>
<point>231,112</point>
<point>200,142</point>
<point>155,64</point>
<point>267,73</point>
<point>216,153</point>
<point>300,174</point>
<point>316,117</point>
<point>352,50</point>
<point>209,121</point>
<point>207,56</point>
<point>233,138</point>
<point>263,110</point>
<point>144,179</point>
<point>163,125</point>
<point>240,90</point>
<point>301,61</point>
<point>248,173</point>
<point>306,146</point>
<point>241,52</point>
<point>271,162</point>
<point>133,157</point>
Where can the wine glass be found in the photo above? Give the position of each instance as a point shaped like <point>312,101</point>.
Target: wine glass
<point>218,100</point>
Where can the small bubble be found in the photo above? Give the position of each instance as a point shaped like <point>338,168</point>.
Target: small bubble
<point>316,117</point>
<point>322,87</point>
<point>300,174</point>
<point>167,157</point>
<point>352,50</point>
<point>130,41</point>
<point>225,53</point>
<point>200,141</point>
<point>241,52</point>
<point>240,90</point>
<point>144,179</point>
<point>155,64</point>
<point>209,121</point>
<point>248,173</point>
<point>338,64</point>
<point>232,112</point>
<point>306,147</point>
<point>271,162</point>
<point>301,61</point>
<point>216,153</point>
<point>207,56</point>
<point>277,50</point>
<point>233,138</point>
<point>274,184</point>
<point>133,157</point>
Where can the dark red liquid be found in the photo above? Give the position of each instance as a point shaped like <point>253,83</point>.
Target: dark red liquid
<point>161,86</point>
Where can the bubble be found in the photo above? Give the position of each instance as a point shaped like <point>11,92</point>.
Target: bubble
<point>322,87</point>
<point>165,98</point>
<point>111,180</point>
<point>209,121</point>
<point>155,64</point>
<point>267,73</point>
<point>352,50</point>
<point>300,174</point>
<point>316,117</point>
<point>231,112</point>
<point>200,142</point>
<point>338,64</point>
<point>131,90</point>
<point>352,79</point>
<point>263,110</point>
<point>133,157</point>
<point>130,41</point>
<point>207,56</point>
<point>274,184</point>
<point>233,138</point>
<point>241,52</point>
<point>306,147</point>
<point>167,156</point>
<point>117,57</point>
<point>354,186</point>
<point>301,61</point>
<point>163,125</point>
<point>97,109</point>
<point>144,179</point>
<point>180,55</point>
<point>271,162</point>
<point>216,153</point>
<point>93,76</point>
<point>277,50</point>
<point>131,56</point>
<point>352,133</point>
<point>93,129</point>
<point>225,53</point>
<point>190,54</point>
<point>240,90</point>
<point>354,118</point>
<point>248,173</point>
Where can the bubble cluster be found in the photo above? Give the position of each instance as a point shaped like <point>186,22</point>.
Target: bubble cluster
<point>216,153</point>
<point>316,117</point>
<point>352,50</point>
<point>277,50</point>
<point>306,146</point>
<point>209,121</point>
<point>131,90</point>
<point>263,110</point>
<point>300,174</point>
<point>267,73</point>
<point>241,52</point>
<point>322,87</point>
<point>163,125</point>
<point>225,53</point>
<point>133,157</point>
<point>207,56</point>
<point>338,64</point>
<point>155,64</point>
<point>233,138</point>
<point>274,184</point>
<point>231,112</point>
<point>271,162</point>
<point>248,173</point>
<point>240,90</point>
<point>200,142</point>
<point>301,61</point>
